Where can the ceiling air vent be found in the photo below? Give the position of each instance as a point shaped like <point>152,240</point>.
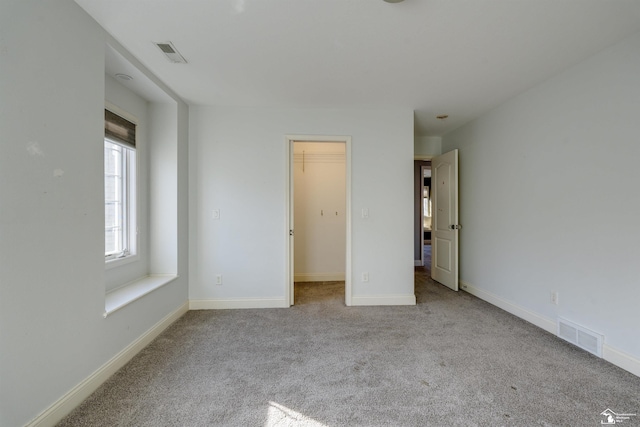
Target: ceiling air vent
<point>171,52</point>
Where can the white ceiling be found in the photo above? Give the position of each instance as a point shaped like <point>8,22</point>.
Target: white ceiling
<point>455,57</point>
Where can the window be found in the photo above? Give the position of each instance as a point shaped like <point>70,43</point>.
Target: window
<point>119,188</point>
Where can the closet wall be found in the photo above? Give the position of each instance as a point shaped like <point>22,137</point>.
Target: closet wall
<point>319,211</point>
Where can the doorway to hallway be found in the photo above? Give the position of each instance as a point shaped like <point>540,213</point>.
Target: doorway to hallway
<point>423,213</point>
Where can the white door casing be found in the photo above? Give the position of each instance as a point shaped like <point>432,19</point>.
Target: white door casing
<point>445,228</point>
<point>289,224</point>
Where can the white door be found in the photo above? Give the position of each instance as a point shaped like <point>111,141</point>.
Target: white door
<point>444,236</point>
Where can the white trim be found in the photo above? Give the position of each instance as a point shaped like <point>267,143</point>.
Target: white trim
<point>289,274</point>
<point>131,199</point>
<point>116,299</point>
<point>319,277</point>
<point>542,322</point>
<point>63,406</point>
<point>424,157</point>
<point>118,262</point>
<point>383,300</point>
<point>225,304</point>
<point>621,359</point>
<point>419,262</point>
<point>288,220</point>
<point>348,290</point>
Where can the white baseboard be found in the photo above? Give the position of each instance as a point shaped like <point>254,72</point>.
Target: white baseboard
<point>383,300</point>
<point>80,392</point>
<point>621,359</point>
<point>222,304</point>
<point>418,263</point>
<point>610,354</point>
<point>319,277</point>
<point>542,322</point>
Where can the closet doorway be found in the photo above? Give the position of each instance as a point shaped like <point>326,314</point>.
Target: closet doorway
<point>319,220</point>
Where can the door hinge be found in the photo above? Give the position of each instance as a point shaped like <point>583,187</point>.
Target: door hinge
<point>290,232</point>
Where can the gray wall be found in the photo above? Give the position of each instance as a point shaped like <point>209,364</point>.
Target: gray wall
<point>239,164</point>
<point>427,146</point>
<point>548,196</point>
<point>52,281</point>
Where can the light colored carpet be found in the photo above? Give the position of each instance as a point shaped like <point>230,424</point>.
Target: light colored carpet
<point>451,360</point>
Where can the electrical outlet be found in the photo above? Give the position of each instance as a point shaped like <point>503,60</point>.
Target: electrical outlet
<point>554,297</point>
<point>365,213</point>
<point>365,277</point>
<point>218,279</point>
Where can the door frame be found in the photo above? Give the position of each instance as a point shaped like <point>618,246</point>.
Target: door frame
<point>289,196</point>
<point>422,169</point>
<point>425,159</point>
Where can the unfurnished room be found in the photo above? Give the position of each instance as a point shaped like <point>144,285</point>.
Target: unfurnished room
<point>319,213</point>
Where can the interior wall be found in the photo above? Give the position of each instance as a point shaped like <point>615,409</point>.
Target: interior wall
<point>547,197</point>
<point>238,165</point>
<point>427,146</point>
<point>319,171</point>
<point>163,188</point>
<point>52,276</point>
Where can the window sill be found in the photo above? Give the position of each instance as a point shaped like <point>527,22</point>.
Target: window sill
<point>117,262</point>
<point>118,298</point>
